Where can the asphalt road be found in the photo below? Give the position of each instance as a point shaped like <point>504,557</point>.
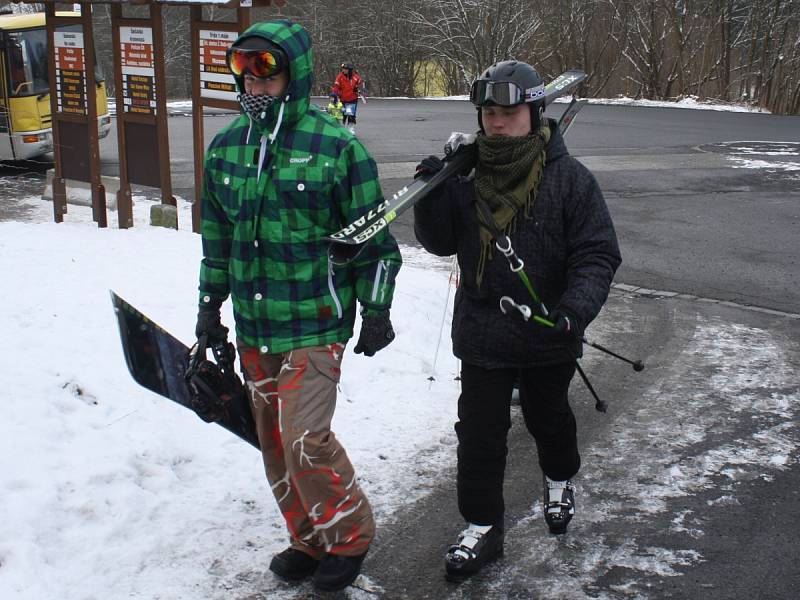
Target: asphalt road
<point>688,221</point>
<point>690,484</point>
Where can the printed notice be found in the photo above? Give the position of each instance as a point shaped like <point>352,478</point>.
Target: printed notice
<point>138,70</point>
<point>70,72</point>
<point>216,80</point>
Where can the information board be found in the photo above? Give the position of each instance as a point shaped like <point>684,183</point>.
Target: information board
<point>216,80</point>
<point>138,70</point>
<point>70,72</point>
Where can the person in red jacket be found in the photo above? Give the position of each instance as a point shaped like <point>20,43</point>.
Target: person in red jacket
<point>346,87</point>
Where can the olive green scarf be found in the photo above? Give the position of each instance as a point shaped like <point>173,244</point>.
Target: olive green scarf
<point>506,179</point>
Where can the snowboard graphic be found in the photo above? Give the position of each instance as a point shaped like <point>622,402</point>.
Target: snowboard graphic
<point>158,361</point>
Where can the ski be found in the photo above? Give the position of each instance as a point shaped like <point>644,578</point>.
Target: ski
<point>158,361</point>
<point>561,84</point>
<point>346,243</point>
<point>568,117</point>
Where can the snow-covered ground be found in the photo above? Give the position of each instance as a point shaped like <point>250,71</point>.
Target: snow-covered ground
<point>109,491</point>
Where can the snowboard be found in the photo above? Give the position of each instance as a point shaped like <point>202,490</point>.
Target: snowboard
<point>158,361</point>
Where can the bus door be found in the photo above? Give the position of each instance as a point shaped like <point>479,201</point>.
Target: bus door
<point>6,147</point>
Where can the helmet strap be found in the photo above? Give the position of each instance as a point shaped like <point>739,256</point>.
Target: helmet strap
<point>537,113</point>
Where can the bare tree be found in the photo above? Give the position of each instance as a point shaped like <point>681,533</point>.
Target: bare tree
<point>578,34</point>
<point>393,45</point>
<point>465,36</point>
<point>734,50</point>
<point>177,51</point>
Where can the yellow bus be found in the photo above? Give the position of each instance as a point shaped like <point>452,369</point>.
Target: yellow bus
<point>25,121</point>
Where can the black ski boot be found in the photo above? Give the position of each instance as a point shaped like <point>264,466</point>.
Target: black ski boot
<point>475,546</point>
<point>559,504</point>
<point>293,565</point>
<point>337,572</point>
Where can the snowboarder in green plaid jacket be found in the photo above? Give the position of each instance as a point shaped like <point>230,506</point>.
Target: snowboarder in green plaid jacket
<point>278,179</point>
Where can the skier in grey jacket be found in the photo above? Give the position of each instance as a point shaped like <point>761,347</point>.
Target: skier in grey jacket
<point>526,186</point>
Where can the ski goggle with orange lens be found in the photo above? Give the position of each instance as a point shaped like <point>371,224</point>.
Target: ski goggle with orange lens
<point>502,93</point>
<point>260,63</point>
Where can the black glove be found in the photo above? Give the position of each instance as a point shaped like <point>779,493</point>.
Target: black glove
<point>565,326</point>
<point>376,333</point>
<point>429,166</point>
<point>209,323</point>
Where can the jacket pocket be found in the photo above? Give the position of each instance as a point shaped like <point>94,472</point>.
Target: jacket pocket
<point>228,184</point>
<point>304,199</point>
<point>327,361</point>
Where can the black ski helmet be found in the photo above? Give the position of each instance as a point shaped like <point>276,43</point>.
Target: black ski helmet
<point>524,77</point>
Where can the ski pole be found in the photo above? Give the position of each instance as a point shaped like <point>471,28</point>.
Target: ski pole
<point>515,263</point>
<point>453,270</point>
<point>638,365</point>
<point>507,303</point>
<point>599,405</point>
<point>503,244</point>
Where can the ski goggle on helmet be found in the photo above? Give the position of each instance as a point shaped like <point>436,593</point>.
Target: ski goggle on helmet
<point>261,63</point>
<point>503,93</point>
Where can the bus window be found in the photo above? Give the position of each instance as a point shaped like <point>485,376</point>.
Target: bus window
<point>27,54</point>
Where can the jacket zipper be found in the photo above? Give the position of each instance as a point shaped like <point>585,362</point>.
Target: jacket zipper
<point>376,284</point>
<point>332,290</point>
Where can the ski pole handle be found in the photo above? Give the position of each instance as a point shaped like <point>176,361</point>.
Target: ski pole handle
<point>507,304</point>
<point>503,244</point>
<point>458,141</point>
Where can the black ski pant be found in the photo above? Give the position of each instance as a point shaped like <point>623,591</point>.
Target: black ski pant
<point>483,423</point>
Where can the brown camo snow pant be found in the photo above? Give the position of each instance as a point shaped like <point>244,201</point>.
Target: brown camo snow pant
<point>293,397</point>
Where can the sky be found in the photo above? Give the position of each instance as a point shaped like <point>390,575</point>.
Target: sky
<point>109,491</point>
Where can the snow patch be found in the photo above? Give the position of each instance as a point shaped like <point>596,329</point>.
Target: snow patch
<point>106,486</point>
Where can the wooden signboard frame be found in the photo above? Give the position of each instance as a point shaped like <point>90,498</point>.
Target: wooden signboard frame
<point>73,107</point>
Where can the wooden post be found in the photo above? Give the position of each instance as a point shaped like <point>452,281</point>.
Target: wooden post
<point>162,131</point>
<point>59,186</point>
<point>198,144</point>
<point>124,199</point>
<point>98,190</point>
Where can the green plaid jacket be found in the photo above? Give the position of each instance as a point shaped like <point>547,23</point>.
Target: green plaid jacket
<point>262,230</point>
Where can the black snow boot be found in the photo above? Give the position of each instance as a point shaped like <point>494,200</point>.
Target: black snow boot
<point>559,504</point>
<point>475,546</point>
<point>293,565</point>
<point>337,572</point>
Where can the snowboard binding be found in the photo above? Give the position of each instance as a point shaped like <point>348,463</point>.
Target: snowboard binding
<point>213,385</point>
